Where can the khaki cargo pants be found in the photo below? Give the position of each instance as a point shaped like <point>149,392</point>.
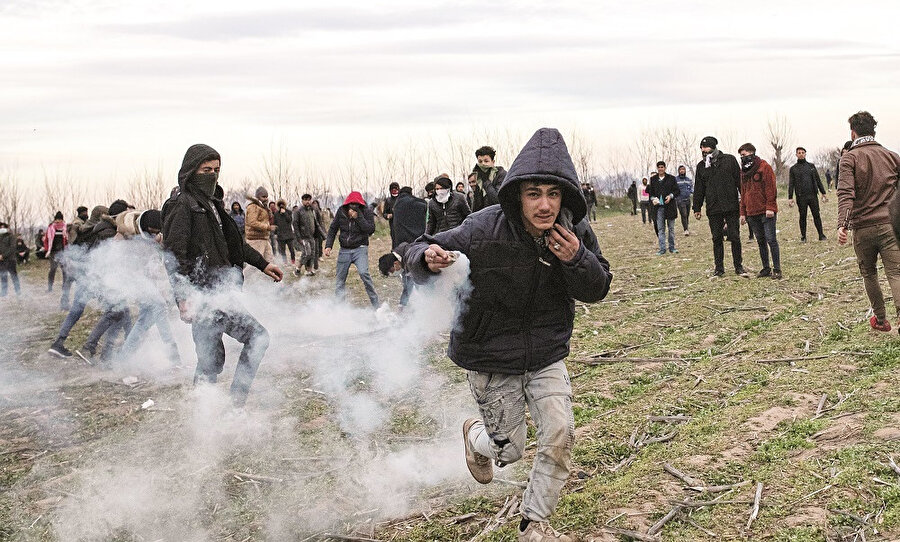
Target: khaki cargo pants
<point>502,399</point>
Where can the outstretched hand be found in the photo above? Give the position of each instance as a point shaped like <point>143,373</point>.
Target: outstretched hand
<point>437,258</point>
<point>274,271</point>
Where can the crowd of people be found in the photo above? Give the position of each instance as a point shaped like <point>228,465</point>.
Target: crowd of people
<point>531,249</point>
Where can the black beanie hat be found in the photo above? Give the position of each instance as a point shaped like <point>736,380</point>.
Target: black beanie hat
<point>150,220</point>
<point>118,206</point>
<point>394,186</point>
<point>709,141</point>
<point>58,215</point>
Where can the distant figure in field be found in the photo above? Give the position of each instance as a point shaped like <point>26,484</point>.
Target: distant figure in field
<point>447,209</point>
<point>866,186</point>
<point>683,201</point>
<point>645,202</point>
<point>488,178</point>
<point>759,207</point>
<point>663,190</point>
<point>632,196</point>
<point>718,185</point>
<point>590,197</point>
<point>805,181</point>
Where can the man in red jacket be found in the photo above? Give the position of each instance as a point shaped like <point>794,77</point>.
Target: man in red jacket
<point>759,207</point>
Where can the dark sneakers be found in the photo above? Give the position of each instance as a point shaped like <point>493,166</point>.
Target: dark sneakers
<point>58,348</point>
<point>740,271</point>
<point>822,237</point>
<point>776,274</point>
<point>764,273</point>
<point>719,273</point>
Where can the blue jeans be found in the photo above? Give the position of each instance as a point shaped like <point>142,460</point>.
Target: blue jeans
<point>151,313</point>
<point>764,230</point>
<point>408,285</point>
<point>663,224</point>
<point>82,296</point>
<point>360,258</point>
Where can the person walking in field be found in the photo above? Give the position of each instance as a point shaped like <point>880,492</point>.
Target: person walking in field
<point>867,182</point>
<point>531,257</point>
<point>663,192</point>
<point>759,207</point>
<point>805,181</point>
<point>258,223</point>
<point>683,201</point>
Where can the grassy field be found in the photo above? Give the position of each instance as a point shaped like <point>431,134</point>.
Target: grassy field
<point>727,381</point>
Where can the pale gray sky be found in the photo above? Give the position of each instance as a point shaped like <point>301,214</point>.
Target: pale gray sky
<point>103,88</point>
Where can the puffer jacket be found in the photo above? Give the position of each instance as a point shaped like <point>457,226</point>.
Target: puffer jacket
<point>202,252</point>
<point>257,221</point>
<point>446,216</point>
<point>520,313</point>
<point>352,232</point>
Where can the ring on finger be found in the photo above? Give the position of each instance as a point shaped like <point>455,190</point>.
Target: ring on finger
<point>557,246</point>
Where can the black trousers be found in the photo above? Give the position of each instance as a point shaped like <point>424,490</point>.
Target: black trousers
<point>717,226</point>
<point>811,203</point>
<point>286,244</point>
<point>207,330</point>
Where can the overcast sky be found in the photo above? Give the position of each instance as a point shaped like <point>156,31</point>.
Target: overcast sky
<point>104,88</point>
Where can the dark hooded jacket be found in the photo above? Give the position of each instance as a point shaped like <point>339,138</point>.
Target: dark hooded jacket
<point>490,181</point>
<point>446,216</point>
<point>7,250</point>
<point>352,232</point>
<point>204,250</point>
<point>409,218</point>
<point>520,313</point>
<point>284,222</point>
<point>718,185</point>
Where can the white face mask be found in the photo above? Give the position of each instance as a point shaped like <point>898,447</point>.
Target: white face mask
<point>442,195</point>
<point>3,230</point>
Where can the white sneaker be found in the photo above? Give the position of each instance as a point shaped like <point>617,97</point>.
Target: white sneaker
<point>687,232</point>
<point>541,532</point>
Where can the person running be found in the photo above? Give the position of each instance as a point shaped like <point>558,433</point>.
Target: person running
<point>55,242</point>
<point>867,181</point>
<point>206,262</point>
<point>805,181</point>
<point>531,257</point>
<point>759,207</point>
<point>353,224</point>
<point>718,185</point>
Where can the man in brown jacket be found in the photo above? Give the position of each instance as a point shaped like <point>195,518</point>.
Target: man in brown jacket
<point>867,180</point>
<point>258,223</point>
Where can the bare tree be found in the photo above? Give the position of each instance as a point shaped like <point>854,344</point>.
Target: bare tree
<point>148,188</point>
<point>278,171</point>
<point>779,134</point>
<point>60,192</point>
<point>15,206</point>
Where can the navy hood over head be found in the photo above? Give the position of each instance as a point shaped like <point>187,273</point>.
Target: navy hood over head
<point>545,158</point>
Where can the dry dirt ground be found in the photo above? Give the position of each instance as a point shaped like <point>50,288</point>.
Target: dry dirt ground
<point>740,383</point>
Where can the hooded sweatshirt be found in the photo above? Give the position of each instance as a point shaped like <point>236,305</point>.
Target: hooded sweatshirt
<point>520,313</point>
<point>205,244</point>
<point>352,232</point>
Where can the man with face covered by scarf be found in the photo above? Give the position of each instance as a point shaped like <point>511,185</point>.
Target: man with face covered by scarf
<point>447,209</point>
<point>718,184</point>
<point>207,255</point>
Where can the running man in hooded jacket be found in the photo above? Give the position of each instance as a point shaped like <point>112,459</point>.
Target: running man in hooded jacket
<point>207,258</point>
<point>352,226</point>
<point>531,257</point>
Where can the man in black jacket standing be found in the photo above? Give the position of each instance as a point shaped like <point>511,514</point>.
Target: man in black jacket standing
<point>447,209</point>
<point>531,257</point>
<point>488,178</point>
<point>207,255</point>
<point>718,183</point>
<point>664,194</point>
<point>805,181</point>
<point>410,214</point>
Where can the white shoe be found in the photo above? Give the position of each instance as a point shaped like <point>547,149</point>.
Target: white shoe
<point>541,532</point>
<point>687,232</point>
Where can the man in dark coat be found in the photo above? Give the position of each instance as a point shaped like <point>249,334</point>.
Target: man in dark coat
<point>207,256</point>
<point>352,226</point>
<point>447,209</point>
<point>531,257</point>
<point>409,224</point>
<point>307,228</point>
<point>718,184</point>
<point>488,178</point>
<point>8,260</point>
<point>632,196</point>
<point>664,192</point>
<point>284,232</point>
<point>805,181</point>
<point>388,210</point>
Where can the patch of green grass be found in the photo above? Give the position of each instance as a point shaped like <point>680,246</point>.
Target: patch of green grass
<point>599,452</point>
<point>800,534</point>
<point>792,437</point>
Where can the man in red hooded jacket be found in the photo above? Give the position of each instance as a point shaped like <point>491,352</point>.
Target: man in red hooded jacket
<point>352,225</point>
